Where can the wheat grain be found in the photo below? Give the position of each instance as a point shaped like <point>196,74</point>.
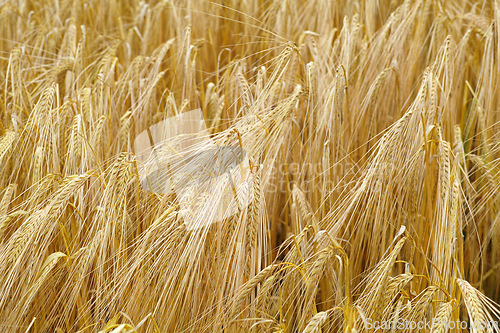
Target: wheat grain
<point>316,322</point>
<point>8,193</point>
<point>253,222</point>
<point>251,284</point>
<point>6,143</point>
<point>475,308</point>
<point>442,319</point>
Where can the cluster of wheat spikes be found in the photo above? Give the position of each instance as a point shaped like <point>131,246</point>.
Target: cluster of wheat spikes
<point>373,133</point>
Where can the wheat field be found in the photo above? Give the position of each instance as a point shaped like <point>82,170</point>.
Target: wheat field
<point>364,188</point>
